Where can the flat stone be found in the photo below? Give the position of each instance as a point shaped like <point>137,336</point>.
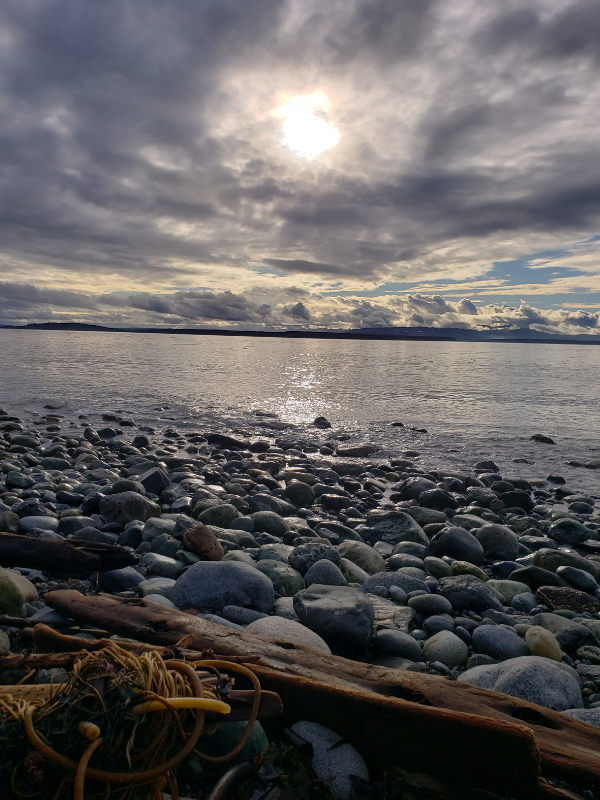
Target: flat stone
<point>334,760</point>
<point>287,630</point>
<point>559,597</point>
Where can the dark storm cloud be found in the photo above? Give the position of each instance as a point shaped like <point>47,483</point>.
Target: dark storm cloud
<point>137,146</point>
<point>25,294</point>
<point>299,310</point>
<point>201,305</point>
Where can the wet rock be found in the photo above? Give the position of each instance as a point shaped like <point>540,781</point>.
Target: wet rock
<point>578,578</point>
<point>457,543</point>
<point>552,559</point>
<point>299,494</point>
<point>363,555</point>
<point>395,527</point>
<point>568,531</point>
<point>468,592</point>
<point>342,616</point>
<point>127,506</point>
<point>221,516</point>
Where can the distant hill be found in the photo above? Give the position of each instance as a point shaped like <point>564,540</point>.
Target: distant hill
<point>389,334</point>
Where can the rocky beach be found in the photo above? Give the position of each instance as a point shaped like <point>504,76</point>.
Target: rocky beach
<point>476,576</point>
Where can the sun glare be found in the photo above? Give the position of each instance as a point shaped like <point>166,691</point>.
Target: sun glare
<point>305,130</point>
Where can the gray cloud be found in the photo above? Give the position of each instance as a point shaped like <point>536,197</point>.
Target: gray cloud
<point>137,149</point>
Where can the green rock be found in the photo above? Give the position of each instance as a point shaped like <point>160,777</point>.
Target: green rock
<point>363,556</point>
<point>228,734</point>
<point>12,601</point>
<point>506,590</point>
<point>286,580</point>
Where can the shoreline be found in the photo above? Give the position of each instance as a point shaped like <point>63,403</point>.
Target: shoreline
<point>303,334</point>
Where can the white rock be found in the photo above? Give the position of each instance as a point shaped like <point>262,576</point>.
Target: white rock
<point>333,761</point>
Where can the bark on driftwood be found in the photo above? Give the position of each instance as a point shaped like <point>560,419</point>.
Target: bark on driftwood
<point>72,558</point>
<point>425,723</point>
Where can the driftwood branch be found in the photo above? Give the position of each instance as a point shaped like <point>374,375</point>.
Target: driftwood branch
<point>73,558</point>
<point>421,722</point>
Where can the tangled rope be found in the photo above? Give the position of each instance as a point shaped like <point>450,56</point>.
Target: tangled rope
<point>135,718</point>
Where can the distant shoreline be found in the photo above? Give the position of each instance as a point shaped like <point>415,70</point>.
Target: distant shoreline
<point>469,336</point>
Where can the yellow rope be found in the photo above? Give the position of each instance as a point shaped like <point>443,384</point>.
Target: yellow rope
<point>173,687</point>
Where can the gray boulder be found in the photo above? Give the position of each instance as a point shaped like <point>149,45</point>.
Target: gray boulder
<point>363,555</point>
<point>589,715</point>
<point>118,580</point>
<point>389,642</point>
<point>446,647</point>
<point>553,559</point>
<point>269,522</point>
<point>216,584</point>
<point>468,592</point>
<point>498,642</point>
<point>499,542</point>
<point>457,543</point>
<point>326,573</point>
<point>221,516</point>
<point>532,678</point>
<point>285,579</point>
<point>305,555</point>
<point>342,616</point>
<point>386,580</point>
<point>395,527</point>
<point>568,531</point>
<point>127,506</point>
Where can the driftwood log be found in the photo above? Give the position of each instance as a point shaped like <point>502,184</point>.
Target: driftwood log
<point>74,558</point>
<point>423,723</point>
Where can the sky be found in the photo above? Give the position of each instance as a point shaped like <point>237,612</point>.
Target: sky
<point>300,163</point>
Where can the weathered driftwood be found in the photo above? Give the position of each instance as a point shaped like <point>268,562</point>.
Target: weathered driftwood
<point>73,558</point>
<point>422,722</point>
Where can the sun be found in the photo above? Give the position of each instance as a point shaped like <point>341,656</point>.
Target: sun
<point>305,130</point>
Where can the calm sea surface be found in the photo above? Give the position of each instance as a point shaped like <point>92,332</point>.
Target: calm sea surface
<point>475,400</point>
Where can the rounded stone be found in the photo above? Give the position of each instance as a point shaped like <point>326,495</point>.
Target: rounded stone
<point>498,642</point>
<point>437,567</point>
<point>537,680</point>
<point>498,541</point>
<point>334,760</point>
<point>363,556</point>
<point>326,573</point>
<point>305,555</point>
<point>457,543</point>
<point>287,630</point>
<point>216,584</point>
<point>286,580</point>
<point>429,604</point>
<point>389,642</point>
<point>299,494</point>
<point>446,647</point>
<point>543,643</point>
